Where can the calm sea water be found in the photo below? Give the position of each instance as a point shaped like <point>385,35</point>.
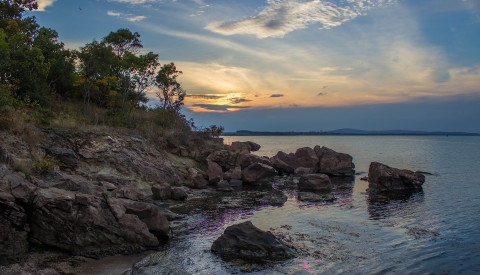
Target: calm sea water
<point>436,231</point>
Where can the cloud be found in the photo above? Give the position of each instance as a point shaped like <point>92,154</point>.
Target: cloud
<point>277,95</point>
<point>136,18</point>
<point>280,17</point>
<point>128,17</point>
<point>216,42</point>
<point>214,107</point>
<point>112,13</point>
<point>206,96</point>
<point>42,4</point>
<point>237,100</point>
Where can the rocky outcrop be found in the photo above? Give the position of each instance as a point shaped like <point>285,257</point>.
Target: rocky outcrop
<point>87,225</point>
<point>13,230</point>
<point>334,163</point>
<point>246,242</point>
<point>317,160</point>
<point>383,178</point>
<point>315,183</point>
<point>67,158</point>
<point>257,171</point>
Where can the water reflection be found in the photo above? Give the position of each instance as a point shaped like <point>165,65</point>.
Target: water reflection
<point>386,205</point>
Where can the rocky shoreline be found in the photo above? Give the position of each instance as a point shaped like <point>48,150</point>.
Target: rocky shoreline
<point>108,194</point>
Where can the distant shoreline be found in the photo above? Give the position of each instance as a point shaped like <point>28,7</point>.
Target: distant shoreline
<point>349,132</point>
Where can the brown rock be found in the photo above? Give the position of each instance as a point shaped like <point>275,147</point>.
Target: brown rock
<point>178,194</point>
<point>306,157</point>
<point>334,163</point>
<point>244,147</point>
<point>226,159</point>
<point>162,191</point>
<point>233,174</point>
<point>215,173</point>
<point>246,242</point>
<point>304,170</point>
<point>257,171</point>
<point>245,160</point>
<point>196,178</point>
<point>315,183</point>
<point>385,178</point>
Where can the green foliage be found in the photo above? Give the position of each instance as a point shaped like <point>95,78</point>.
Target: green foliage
<point>103,83</point>
<point>171,94</point>
<point>214,130</point>
<point>44,165</point>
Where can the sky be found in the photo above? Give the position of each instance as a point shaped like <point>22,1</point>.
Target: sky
<point>302,65</point>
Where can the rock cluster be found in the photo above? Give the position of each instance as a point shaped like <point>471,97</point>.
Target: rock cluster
<point>97,198</point>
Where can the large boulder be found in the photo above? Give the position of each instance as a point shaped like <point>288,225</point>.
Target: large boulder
<point>334,163</point>
<point>214,172</point>
<point>315,183</point>
<point>284,163</point>
<point>257,171</point>
<point>245,160</point>
<point>244,147</point>
<point>246,242</point>
<point>385,178</point>
<point>233,174</point>
<point>196,178</point>
<point>304,158</point>
<point>148,213</point>
<point>226,159</point>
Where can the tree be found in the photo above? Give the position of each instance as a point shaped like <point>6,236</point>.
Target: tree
<point>171,93</point>
<point>97,61</point>
<point>123,41</point>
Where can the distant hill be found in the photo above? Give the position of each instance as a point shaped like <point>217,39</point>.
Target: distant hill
<point>349,132</point>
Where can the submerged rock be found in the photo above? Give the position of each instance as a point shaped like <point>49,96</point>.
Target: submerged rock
<point>315,197</point>
<point>275,197</point>
<point>224,186</point>
<point>246,242</point>
<point>382,178</point>
<point>315,183</point>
